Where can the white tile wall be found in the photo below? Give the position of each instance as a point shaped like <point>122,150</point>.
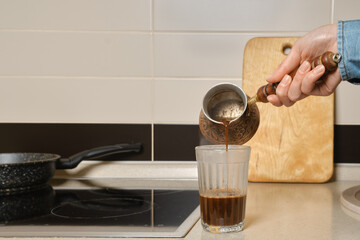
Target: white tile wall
<point>199,55</point>
<point>346,10</point>
<point>347,97</point>
<point>75,100</point>
<point>75,53</point>
<point>102,15</point>
<point>236,15</point>
<point>130,60</point>
<point>204,55</point>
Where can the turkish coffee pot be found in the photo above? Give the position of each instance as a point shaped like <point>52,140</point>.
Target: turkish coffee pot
<point>227,105</point>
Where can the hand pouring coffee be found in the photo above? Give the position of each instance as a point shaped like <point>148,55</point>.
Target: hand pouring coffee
<point>227,109</point>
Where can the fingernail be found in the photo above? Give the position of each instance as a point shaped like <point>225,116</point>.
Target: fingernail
<point>285,81</point>
<point>319,69</point>
<point>267,79</point>
<point>304,66</point>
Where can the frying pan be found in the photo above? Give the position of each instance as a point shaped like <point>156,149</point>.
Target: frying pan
<point>20,172</point>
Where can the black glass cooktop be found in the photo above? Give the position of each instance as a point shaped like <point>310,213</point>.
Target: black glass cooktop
<point>118,212</point>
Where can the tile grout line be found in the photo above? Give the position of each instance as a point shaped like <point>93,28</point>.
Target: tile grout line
<point>151,76</point>
<point>152,31</point>
<point>152,79</point>
<point>332,11</point>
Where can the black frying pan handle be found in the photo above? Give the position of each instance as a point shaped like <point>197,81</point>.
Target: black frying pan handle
<point>74,160</point>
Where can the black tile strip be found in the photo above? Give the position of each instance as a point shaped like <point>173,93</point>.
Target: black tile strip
<point>176,142</point>
<point>347,144</point>
<point>171,141</point>
<point>68,139</point>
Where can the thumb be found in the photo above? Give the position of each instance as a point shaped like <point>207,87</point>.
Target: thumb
<point>290,63</point>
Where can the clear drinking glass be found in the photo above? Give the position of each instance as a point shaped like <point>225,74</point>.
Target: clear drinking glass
<point>223,179</point>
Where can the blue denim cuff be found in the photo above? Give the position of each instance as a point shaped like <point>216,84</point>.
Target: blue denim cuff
<point>348,44</point>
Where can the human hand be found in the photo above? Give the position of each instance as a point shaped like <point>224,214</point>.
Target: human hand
<point>303,81</point>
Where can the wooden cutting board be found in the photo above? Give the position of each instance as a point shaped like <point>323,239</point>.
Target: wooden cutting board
<point>292,144</point>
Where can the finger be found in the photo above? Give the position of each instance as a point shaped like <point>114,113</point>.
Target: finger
<point>331,83</point>
<point>309,82</point>
<point>282,91</point>
<point>274,100</point>
<point>295,87</point>
<point>290,63</point>
<point>328,85</point>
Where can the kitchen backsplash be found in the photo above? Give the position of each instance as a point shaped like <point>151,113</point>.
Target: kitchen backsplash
<point>84,73</point>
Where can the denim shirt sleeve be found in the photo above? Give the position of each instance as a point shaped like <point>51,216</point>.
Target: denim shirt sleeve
<point>348,44</point>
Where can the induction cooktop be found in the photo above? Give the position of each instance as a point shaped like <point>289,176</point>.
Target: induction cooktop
<point>99,212</point>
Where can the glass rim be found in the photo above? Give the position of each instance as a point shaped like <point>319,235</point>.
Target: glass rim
<point>222,147</point>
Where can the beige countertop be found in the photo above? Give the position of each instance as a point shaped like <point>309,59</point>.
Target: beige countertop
<point>280,211</point>
<point>292,211</point>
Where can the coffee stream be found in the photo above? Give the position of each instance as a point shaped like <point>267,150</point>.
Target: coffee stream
<point>226,124</point>
<point>225,112</point>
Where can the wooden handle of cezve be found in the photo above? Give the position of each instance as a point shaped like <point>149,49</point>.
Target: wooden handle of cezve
<point>330,61</point>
